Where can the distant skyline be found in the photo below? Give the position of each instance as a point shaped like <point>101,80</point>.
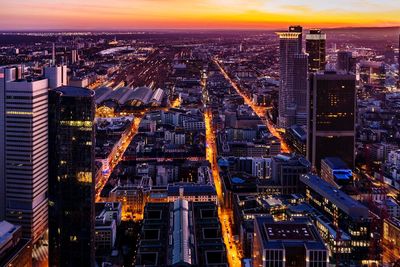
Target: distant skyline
<point>195,14</point>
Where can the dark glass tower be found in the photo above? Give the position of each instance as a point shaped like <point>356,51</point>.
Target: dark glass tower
<point>316,49</point>
<point>71,176</point>
<point>346,62</point>
<point>331,130</point>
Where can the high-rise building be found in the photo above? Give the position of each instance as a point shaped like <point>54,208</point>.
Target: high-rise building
<point>74,56</point>
<point>71,176</point>
<point>316,49</point>
<point>57,75</point>
<point>331,130</point>
<point>345,62</point>
<point>289,45</point>
<point>23,152</point>
<point>298,29</point>
<point>300,84</point>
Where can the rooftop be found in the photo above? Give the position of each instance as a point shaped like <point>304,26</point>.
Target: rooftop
<point>335,163</point>
<point>350,206</point>
<point>288,231</point>
<point>75,91</point>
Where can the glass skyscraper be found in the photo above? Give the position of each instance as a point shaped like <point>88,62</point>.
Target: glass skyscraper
<point>316,50</point>
<point>331,130</point>
<point>71,176</point>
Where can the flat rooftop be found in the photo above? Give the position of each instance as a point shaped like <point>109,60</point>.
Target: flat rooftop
<point>75,91</point>
<point>288,231</point>
<point>335,163</point>
<point>350,206</point>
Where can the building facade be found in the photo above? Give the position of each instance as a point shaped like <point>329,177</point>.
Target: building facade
<point>316,50</point>
<point>331,119</point>
<point>24,150</point>
<point>289,46</point>
<point>71,177</point>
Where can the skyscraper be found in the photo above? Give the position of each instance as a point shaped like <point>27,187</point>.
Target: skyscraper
<point>23,152</point>
<point>289,45</point>
<point>57,75</point>
<point>71,176</point>
<point>331,130</point>
<point>316,49</point>
<point>300,84</point>
<point>345,62</point>
<point>74,56</point>
<point>298,29</point>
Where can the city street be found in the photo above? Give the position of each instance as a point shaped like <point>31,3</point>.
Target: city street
<point>260,111</point>
<point>225,215</point>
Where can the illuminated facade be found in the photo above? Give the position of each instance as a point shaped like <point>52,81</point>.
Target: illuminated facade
<point>23,152</point>
<point>289,46</point>
<point>391,240</point>
<point>71,173</point>
<point>346,214</point>
<point>331,119</point>
<point>316,50</point>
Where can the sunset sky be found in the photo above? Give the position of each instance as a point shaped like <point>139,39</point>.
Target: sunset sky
<point>194,14</point>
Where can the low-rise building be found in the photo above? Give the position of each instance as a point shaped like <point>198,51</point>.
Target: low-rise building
<point>15,251</point>
<point>336,171</point>
<point>181,233</point>
<point>287,243</point>
<point>345,213</point>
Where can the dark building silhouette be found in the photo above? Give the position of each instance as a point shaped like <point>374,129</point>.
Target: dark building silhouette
<point>346,62</point>
<point>331,131</point>
<point>316,49</point>
<point>71,176</point>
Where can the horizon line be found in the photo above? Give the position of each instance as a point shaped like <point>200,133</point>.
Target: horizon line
<point>186,29</point>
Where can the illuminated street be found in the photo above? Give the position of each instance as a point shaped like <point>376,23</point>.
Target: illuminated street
<point>225,215</point>
<point>260,111</point>
<point>116,156</point>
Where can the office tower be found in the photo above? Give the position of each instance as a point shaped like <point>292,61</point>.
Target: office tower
<point>331,131</point>
<point>389,55</point>
<point>316,50</point>
<point>287,243</point>
<point>74,56</point>
<point>57,76</point>
<point>298,29</point>
<point>289,45</point>
<point>346,62</point>
<point>23,148</point>
<point>300,84</point>
<point>71,176</point>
